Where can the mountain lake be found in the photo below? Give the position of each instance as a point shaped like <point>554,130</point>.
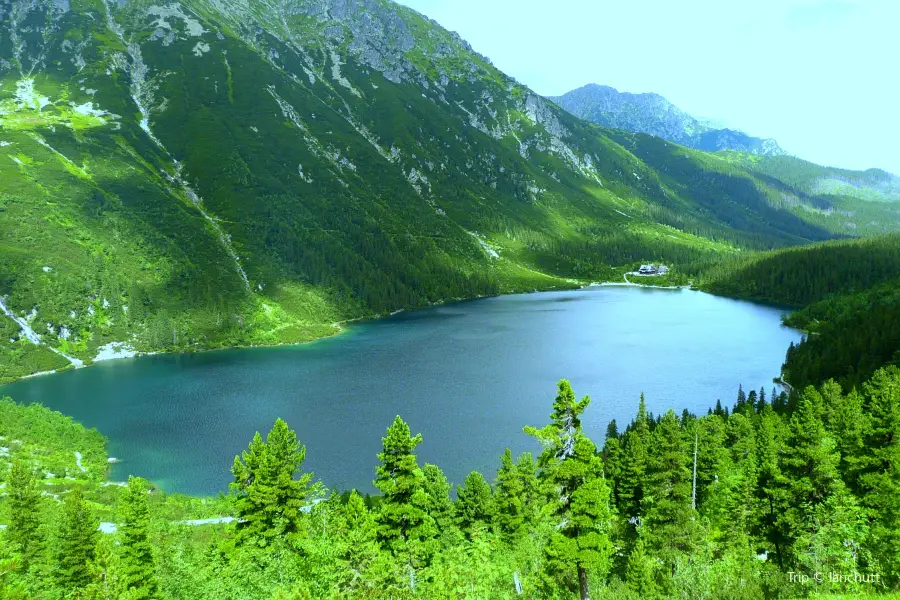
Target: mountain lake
<point>467,375</point>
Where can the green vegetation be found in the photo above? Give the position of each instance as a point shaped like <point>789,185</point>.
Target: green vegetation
<point>62,447</point>
<point>850,336</point>
<point>750,502</point>
<point>810,179</point>
<point>797,277</point>
<point>204,175</point>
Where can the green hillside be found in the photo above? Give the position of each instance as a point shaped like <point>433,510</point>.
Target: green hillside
<point>800,276</point>
<point>848,293</point>
<point>212,174</point>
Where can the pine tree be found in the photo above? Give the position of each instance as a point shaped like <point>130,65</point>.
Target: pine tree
<point>766,512</point>
<point>719,410</point>
<point>136,564</point>
<point>24,501</point>
<point>666,504</point>
<point>833,535</point>
<point>639,573</point>
<point>509,498</point>
<point>741,480</point>
<point>712,456</point>
<point>268,497</point>
<point>75,543</point>
<point>531,494</point>
<point>612,464</point>
<point>728,502</point>
<point>741,397</point>
<point>880,467</point>
<point>751,404</point>
<point>440,506</point>
<point>809,466</point>
<point>612,430</point>
<point>12,587</point>
<point>474,502</point>
<point>572,472</point>
<point>360,548</point>
<point>634,465</point>
<point>849,424</point>
<point>105,575</point>
<point>404,525</point>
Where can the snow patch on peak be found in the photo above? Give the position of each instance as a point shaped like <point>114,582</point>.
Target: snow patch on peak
<point>27,97</point>
<point>337,76</point>
<point>88,109</point>
<point>191,25</point>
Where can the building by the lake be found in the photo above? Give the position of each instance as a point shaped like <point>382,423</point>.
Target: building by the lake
<point>653,270</point>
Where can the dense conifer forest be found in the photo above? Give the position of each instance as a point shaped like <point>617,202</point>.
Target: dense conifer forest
<point>849,295</point>
<point>738,503</point>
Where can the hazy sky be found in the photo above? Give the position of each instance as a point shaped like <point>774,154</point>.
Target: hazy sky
<point>820,76</point>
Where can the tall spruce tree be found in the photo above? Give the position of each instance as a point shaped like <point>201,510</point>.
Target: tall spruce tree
<point>832,539</point>
<point>137,572</point>
<point>75,543</point>
<point>766,513</point>
<point>742,480</point>
<point>572,472</point>
<point>634,466</point>
<point>849,423</point>
<point>509,498</point>
<point>474,502</point>
<point>268,492</point>
<point>666,504</point>
<point>404,525</point>
<point>880,468</point>
<point>712,455</point>
<point>440,506</point>
<point>360,552</point>
<point>640,572</point>
<point>526,469</point>
<point>612,458</point>
<point>24,501</point>
<point>809,468</point>
<point>741,398</point>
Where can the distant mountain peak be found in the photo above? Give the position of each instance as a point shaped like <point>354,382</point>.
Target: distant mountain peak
<point>653,114</point>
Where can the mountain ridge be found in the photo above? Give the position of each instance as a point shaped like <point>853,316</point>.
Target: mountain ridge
<point>653,114</point>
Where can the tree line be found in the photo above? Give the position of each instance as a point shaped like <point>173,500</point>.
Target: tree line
<point>725,505</point>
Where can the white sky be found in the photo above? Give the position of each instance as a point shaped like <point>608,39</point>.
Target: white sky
<point>822,77</point>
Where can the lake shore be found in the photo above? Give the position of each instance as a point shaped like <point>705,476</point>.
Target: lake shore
<point>117,351</point>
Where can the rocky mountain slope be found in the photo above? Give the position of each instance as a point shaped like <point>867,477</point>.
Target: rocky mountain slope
<point>654,115</point>
<point>234,172</point>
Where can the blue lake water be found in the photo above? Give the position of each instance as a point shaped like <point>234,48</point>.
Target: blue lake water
<point>468,376</point>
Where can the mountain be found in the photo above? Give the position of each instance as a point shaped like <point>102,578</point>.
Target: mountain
<point>236,172</point>
<point>654,115</point>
